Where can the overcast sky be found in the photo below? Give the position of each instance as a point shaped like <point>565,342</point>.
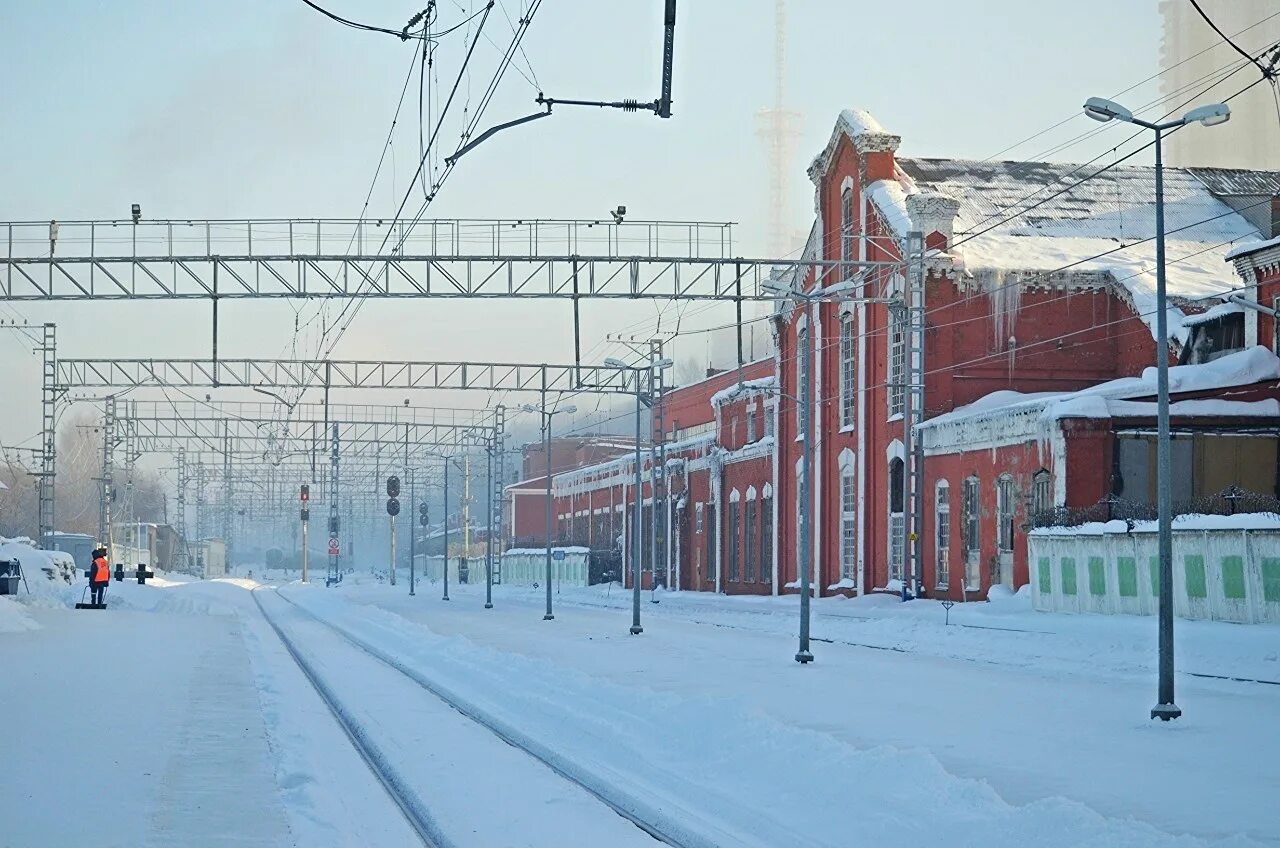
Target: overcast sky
<point>204,109</point>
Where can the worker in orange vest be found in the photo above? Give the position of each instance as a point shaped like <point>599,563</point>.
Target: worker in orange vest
<point>99,574</point>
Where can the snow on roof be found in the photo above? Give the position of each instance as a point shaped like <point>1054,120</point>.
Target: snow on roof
<point>1213,313</point>
<point>744,387</point>
<point>1092,406</point>
<point>1254,365</point>
<point>1252,247</point>
<point>1111,214</point>
<point>1104,225</point>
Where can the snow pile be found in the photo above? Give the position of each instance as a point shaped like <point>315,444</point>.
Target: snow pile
<point>13,618</point>
<point>53,578</point>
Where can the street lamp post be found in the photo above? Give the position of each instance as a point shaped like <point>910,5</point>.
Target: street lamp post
<point>1105,110</point>
<point>546,414</point>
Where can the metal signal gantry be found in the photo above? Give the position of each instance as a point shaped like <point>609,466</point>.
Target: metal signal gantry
<point>328,258</point>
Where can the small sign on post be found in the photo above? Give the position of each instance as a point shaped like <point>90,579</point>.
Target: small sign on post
<point>557,555</point>
<point>333,547</point>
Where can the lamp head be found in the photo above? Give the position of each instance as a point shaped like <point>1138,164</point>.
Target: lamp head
<point>614,362</point>
<point>1101,109</point>
<point>1210,115</point>
<point>528,407</point>
<point>568,410</point>
<point>776,288</point>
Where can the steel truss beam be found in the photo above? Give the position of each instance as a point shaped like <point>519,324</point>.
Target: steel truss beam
<point>335,374</point>
<point>259,435</point>
<point>183,260</point>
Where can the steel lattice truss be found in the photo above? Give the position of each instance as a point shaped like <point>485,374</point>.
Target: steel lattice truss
<point>337,374</point>
<point>183,260</point>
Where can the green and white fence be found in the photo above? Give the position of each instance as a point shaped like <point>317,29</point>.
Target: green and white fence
<point>1219,574</point>
<point>526,566</point>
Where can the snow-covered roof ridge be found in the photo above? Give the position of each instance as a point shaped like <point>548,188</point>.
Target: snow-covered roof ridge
<point>861,128</point>
<point>744,387</point>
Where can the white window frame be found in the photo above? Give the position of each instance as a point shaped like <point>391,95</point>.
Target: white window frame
<point>848,372</point>
<point>1041,491</point>
<point>897,522</point>
<point>751,421</point>
<point>1006,510</point>
<point>971,523</point>
<point>846,229</point>
<point>897,342</point>
<point>942,533</point>
<point>848,519</point>
<point>697,518</point>
<point>802,340</point>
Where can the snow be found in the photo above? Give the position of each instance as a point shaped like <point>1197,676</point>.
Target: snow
<point>704,722</point>
<point>1253,365</point>
<point>723,719</point>
<point>14,618</point>
<point>759,384</point>
<point>1213,313</point>
<point>1252,247</point>
<point>890,198</point>
<point>1239,521</point>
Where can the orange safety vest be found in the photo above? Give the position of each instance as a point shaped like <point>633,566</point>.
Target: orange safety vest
<point>101,571</point>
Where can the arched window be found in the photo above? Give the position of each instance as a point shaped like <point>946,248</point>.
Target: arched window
<point>897,518</point>
<point>942,533</point>
<point>1041,492</point>
<point>734,540</point>
<point>848,519</point>
<point>766,535</point>
<point>848,391</point>
<point>1004,513</point>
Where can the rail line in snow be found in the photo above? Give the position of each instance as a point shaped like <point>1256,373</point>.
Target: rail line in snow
<point>405,799</point>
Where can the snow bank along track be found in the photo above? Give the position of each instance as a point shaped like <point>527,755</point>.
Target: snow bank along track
<point>624,803</point>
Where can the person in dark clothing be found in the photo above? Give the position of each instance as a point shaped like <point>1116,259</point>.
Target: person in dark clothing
<point>99,574</point>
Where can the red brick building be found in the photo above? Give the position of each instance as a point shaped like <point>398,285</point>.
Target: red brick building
<point>1033,284</point>
<point>717,498</point>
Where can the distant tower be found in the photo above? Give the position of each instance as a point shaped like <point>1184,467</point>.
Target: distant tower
<point>1252,138</point>
<point>779,128</point>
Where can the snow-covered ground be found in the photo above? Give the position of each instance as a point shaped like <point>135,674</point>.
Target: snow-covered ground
<point>1005,727</point>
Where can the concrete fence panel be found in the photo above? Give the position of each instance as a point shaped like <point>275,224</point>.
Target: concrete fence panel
<point>1218,574</point>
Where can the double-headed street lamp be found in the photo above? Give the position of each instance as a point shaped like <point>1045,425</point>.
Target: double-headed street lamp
<point>1211,115</point>
<point>637,520</point>
<point>546,413</point>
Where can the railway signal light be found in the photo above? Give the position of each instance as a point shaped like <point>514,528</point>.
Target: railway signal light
<point>393,487</point>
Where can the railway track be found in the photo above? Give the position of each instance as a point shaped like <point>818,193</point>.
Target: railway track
<point>410,804</point>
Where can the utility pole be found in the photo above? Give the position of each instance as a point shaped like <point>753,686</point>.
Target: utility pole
<point>108,485</point>
<point>637,522</point>
<point>803,654</point>
<point>445,517</point>
<point>305,497</point>
<point>413,535</point>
